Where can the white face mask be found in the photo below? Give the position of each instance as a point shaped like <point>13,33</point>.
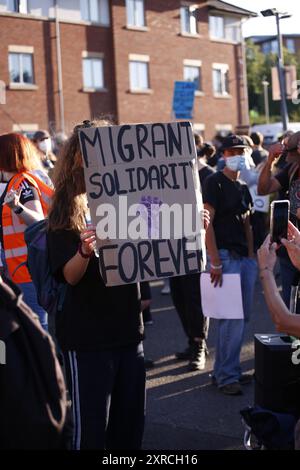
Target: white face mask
<point>236,163</point>
<point>45,146</point>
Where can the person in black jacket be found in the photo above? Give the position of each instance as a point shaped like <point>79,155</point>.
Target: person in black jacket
<point>99,329</point>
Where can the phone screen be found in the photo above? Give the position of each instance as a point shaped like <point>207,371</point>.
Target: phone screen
<point>280,211</point>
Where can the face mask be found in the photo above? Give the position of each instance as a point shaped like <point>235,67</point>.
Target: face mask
<point>236,163</point>
<point>45,146</point>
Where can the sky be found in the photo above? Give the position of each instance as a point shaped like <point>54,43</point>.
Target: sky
<point>267,26</point>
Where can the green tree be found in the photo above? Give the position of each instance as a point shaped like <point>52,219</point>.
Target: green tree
<point>259,68</point>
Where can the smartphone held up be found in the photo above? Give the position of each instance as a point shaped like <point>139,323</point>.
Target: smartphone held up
<point>280,214</point>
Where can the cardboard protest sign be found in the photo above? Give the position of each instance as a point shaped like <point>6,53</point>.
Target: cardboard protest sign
<point>145,200</point>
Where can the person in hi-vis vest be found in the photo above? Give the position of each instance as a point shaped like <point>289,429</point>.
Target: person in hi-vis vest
<point>24,201</point>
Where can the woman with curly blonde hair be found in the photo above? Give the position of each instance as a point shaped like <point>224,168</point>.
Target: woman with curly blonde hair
<point>99,328</point>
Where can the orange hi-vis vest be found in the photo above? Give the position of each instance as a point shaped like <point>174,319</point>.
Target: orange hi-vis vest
<point>13,227</point>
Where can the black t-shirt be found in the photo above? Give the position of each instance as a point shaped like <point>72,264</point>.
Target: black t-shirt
<point>289,179</point>
<point>230,199</point>
<point>204,173</point>
<point>94,317</point>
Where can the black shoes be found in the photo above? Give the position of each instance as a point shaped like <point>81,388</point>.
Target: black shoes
<point>149,364</point>
<point>184,355</point>
<point>195,353</point>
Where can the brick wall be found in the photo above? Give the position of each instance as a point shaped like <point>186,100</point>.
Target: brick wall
<point>164,44</point>
<point>167,50</point>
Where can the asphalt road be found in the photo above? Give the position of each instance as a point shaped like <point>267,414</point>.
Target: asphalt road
<point>184,411</point>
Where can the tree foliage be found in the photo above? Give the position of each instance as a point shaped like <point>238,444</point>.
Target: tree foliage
<point>259,66</point>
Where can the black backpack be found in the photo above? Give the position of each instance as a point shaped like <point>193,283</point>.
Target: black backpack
<point>33,401</point>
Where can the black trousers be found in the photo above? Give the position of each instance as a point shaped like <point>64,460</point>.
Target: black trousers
<point>108,397</point>
<point>186,296</point>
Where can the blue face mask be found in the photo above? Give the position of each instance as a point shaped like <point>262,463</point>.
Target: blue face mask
<point>236,163</point>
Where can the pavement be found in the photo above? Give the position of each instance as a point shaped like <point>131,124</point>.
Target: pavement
<point>184,411</point>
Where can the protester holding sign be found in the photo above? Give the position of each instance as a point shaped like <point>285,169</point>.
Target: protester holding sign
<point>230,247</point>
<point>99,328</point>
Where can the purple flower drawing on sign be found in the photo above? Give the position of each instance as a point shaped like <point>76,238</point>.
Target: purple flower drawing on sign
<point>151,215</point>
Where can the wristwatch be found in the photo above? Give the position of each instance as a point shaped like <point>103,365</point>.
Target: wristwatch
<point>18,210</point>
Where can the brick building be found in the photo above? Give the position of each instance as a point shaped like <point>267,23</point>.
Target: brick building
<point>269,44</point>
<point>62,61</point>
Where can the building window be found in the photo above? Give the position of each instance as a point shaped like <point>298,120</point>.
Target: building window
<point>139,75</point>
<point>223,130</point>
<point>290,45</point>
<point>225,27</point>
<point>135,13</point>
<point>270,47</point>
<point>95,11</point>
<point>221,79</point>
<point>19,6</point>
<point>21,68</point>
<point>192,73</point>
<point>188,19</point>
<point>93,76</point>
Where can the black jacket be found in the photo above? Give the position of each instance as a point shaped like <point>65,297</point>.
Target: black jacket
<point>32,388</point>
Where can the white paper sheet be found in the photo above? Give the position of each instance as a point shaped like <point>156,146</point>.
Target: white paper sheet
<point>222,302</point>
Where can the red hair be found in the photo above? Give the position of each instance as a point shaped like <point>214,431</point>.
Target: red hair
<point>17,153</point>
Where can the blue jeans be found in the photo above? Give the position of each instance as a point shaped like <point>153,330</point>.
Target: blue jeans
<point>29,296</point>
<point>230,333</point>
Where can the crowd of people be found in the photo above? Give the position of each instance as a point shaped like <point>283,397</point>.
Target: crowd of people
<point>99,330</point>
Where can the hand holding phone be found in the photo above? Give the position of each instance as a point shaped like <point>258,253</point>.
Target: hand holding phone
<point>280,214</point>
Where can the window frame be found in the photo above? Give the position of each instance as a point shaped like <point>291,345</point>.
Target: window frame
<point>20,6</point>
<point>87,7</point>
<point>20,55</point>
<point>134,24</point>
<point>194,64</point>
<point>187,12</point>
<point>225,37</point>
<point>139,59</point>
<point>92,57</point>
<point>225,88</point>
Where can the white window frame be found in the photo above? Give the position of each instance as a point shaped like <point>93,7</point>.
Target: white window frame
<point>27,129</point>
<point>139,59</point>
<point>194,64</point>
<point>223,129</point>
<point>21,50</point>
<point>102,6</point>
<point>93,56</point>
<point>188,20</point>
<point>224,69</point>
<point>134,14</point>
<point>199,128</point>
<point>19,6</point>
<point>224,36</point>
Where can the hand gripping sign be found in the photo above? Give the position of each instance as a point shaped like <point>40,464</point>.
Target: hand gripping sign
<point>145,200</point>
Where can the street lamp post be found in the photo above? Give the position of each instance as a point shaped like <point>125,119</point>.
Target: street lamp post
<point>280,65</point>
<point>265,84</point>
